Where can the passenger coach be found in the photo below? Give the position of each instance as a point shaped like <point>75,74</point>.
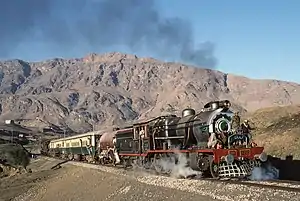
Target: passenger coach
<point>76,147</point>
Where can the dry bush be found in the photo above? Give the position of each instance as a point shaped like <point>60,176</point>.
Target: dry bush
<point>14,155</point>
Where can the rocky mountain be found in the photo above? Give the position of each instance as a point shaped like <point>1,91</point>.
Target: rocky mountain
<point>112,88</point>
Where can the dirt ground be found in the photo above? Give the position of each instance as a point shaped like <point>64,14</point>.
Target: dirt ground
<point>19,184</point>
<point>77,181</point>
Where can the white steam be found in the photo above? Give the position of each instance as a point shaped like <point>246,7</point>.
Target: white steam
<point>168,165</point>
<point>264,173</point>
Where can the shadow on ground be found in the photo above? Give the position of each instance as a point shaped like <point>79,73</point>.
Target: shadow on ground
<point>288,168</point>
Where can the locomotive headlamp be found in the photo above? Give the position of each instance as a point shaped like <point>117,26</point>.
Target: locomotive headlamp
<point>263,157</point>
<point>229,158</point>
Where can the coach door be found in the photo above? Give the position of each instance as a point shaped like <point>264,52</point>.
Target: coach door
<point>141,138</point>
<point>145,138</point>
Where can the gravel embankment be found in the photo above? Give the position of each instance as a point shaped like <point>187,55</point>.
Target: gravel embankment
<point>81,181</point>
<point>205,188</point>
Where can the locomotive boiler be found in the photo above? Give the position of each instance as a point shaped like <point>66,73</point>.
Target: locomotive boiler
<point>191,129</point>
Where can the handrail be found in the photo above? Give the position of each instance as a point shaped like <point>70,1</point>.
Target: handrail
<point>244,137</point>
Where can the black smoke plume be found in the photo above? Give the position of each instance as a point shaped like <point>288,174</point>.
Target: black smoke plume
<point>72,26</point>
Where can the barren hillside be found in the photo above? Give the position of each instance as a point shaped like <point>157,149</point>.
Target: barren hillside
<point>111,88</point>
<point>278,129</point>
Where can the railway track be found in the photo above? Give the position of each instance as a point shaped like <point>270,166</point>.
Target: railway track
<point>282,185</point>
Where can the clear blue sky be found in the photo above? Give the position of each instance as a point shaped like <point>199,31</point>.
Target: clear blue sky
<point>257,39</point>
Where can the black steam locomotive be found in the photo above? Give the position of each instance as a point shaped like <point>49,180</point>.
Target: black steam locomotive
<point>206,138</point>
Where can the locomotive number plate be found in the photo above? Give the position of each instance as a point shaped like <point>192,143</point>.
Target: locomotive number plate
<point>245,152</point>
<point>232,152</point>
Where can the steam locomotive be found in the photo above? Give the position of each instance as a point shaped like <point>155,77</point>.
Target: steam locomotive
<point>206,139</point>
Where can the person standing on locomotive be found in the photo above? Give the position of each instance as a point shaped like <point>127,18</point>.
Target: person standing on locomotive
<point>216,141</point>
<point>115,150</point>
<point>235,122</point>
<point>142,134</point>
<point>246,127</point>
<point>212,141</point>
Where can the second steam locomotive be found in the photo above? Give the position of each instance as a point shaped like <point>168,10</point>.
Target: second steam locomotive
<point>206,139</point>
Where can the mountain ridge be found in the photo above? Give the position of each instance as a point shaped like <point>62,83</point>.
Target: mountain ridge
<point>111,88</point>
